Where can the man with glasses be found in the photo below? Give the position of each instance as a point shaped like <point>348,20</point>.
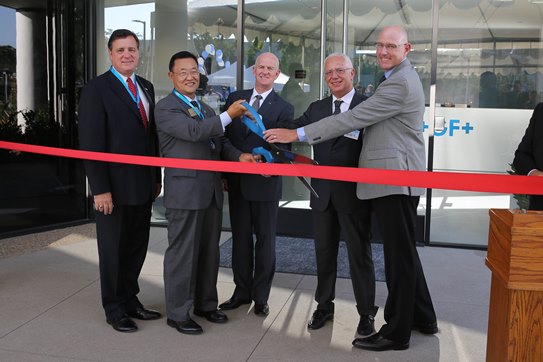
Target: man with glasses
<point>188,128</point>
<point>337,209</point>
<point>254,199</point>
<point>393,124</point>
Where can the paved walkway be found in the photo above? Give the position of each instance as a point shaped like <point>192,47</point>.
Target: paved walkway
<point>50,310</point>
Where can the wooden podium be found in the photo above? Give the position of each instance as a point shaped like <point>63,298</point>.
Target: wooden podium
<point>515,257</point>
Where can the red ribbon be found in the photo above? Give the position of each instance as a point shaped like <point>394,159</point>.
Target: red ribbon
<point>505,184</point>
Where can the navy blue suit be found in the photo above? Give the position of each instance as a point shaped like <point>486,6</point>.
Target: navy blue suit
<point>110,121</point>
<point>253,201</point>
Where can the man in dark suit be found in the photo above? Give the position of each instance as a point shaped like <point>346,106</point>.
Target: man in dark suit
<point>116,116</point>
<point>337,208</point>
<point>188,128</point>
<point>254,199</point>
<point>529,154</point>
<point>392,121</point>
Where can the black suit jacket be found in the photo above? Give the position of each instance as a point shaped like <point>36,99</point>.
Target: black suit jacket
<point>110,121</point>
<point>340,151</point>
<point>276,113</point>
<point>529,154</point>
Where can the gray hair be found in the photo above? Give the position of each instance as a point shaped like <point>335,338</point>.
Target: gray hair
<point>345,58</point>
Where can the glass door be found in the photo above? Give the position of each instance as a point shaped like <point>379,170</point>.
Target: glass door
<point>42,49</point>
<point>488,81</point>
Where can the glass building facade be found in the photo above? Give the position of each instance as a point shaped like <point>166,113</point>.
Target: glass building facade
<point>480,62</point>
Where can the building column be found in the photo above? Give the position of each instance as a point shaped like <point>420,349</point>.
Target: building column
<point>31,59</point>
<point>170,25</point>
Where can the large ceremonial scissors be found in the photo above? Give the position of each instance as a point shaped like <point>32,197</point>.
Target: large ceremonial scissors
<point>272,152</point>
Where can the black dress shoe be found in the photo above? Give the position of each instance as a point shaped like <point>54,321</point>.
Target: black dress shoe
<point>365,326</point>
<point>378,343</point>
<point>186,327</point>
<point>214,316</point>
<point>234,303</point>
<point>426,328</point>
<point>262,309</point>
<point>143,314</point>
<point>123,324</point>
<point>320,316</point>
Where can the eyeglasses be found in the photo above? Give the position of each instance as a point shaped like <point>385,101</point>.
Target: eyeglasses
<point>389,47</point>
<point>339,71</point>
<point>184,73</point>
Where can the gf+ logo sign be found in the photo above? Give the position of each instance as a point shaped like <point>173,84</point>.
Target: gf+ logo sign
<point>454,126</point>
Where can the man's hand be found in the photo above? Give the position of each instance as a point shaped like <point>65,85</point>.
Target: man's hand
<point>249,157</point>
<point>280,135</point>
<point>536,173</point>
<point>104,203</point>
<point>236,109</point>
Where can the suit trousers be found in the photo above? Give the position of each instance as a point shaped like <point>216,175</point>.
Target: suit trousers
<point>356,227</point>
<point>536,202</point>
<point>123,237</point>
<point>408,300</point>
<point>191,261</point>
<point>253,263</point>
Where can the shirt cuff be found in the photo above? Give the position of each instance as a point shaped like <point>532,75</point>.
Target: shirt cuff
<point>301,134</point>
<point>225,119</point>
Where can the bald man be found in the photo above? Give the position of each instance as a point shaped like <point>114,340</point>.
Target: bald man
<point>392,119</point>
<point>254,199</point>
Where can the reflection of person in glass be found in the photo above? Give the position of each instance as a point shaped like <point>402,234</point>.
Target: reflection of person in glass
<point>292,92</point>
<point>529,154</point>
<point>393,139</point>
<point>488,91</point>
<point>337,209</point>
<point>516,98</point>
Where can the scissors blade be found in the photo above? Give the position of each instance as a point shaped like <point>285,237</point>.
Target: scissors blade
<point>308,186</point>
<point>289,156</point>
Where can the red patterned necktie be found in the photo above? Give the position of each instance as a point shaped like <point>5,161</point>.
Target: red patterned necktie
<point>132,88</point>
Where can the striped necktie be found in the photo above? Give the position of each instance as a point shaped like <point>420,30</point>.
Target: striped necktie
<point>337,106</point>
<point>143,115</point>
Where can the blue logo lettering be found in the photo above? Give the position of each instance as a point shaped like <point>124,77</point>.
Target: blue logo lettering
<point>455,126</point>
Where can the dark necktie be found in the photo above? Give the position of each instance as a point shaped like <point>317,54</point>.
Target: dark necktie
<point>256,107</point>
<point>132,88</point>
<point>256,102</point>
<point>194,104</point>
<point>381,80</point>
<point>337,106</point>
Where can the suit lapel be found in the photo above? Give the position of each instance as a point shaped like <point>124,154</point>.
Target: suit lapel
<point>147,92</point>
<point>120,91</point>
<point>357,99</point>
<point>325,107</point>
<point>268,102</point>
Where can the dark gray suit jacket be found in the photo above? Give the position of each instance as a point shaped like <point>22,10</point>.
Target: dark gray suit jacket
<point>393,122</point>
<point>183,136</point>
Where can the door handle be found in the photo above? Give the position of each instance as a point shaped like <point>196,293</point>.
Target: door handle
<point>439,123</point>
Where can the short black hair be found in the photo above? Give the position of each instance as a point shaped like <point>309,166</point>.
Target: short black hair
<point>122,34</point>
<point>181,55</point>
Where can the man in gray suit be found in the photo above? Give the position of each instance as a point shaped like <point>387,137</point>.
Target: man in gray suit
<point>190,129</point>
<point>392,119</point>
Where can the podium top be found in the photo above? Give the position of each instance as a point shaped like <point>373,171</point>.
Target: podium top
<point>515,248</point>
<point>519,218</point>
